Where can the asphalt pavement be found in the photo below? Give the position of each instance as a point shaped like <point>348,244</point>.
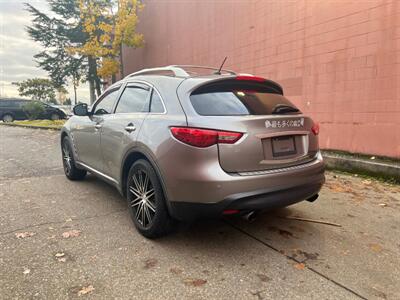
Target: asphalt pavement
<point>61,240</point>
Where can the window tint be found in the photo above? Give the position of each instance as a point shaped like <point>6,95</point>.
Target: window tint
<point>156,104</point>
<point>134,99</point>
<point>106,105</point>
<point>236,101</point>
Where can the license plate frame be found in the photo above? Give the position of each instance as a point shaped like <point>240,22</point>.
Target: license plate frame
<point>283,146</point>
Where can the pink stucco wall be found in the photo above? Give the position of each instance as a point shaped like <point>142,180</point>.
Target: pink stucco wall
<point>337,60</point>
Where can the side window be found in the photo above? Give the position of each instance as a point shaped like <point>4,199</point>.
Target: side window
<point>156,103</point>
<point>14,104</point>
<point>106,104</point>
<point>134,99</point>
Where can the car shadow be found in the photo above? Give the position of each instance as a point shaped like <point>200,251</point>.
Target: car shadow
<point>269,227</point>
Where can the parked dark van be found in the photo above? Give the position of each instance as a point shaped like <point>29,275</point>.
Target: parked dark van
<point>12,109</point>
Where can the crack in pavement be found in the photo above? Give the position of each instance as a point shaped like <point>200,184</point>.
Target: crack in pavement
<point>59,222</point>
<point>297,261</point>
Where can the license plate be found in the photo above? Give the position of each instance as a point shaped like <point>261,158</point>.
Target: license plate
<point>283,145</point>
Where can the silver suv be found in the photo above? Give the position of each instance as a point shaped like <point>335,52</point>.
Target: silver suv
<point>185,142</point>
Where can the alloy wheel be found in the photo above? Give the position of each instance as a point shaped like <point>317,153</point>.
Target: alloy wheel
<point>143,200</point>
<point>67,158</point>
<point>55,117</point>
<point>7,118</point>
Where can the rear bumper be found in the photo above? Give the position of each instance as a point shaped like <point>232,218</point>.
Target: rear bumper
<point>246,193</point>
<point>259,200</point>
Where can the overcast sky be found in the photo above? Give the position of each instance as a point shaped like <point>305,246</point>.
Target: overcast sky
<point>17,49</point>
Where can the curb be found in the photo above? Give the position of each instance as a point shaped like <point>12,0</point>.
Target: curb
<point>30,126</point>
<point>389,171</point>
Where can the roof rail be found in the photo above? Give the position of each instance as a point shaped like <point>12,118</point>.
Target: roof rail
<point>178,72</point>
<point>174,70</point>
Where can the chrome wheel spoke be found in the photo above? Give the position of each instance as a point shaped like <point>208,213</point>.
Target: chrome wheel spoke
<point>149,219</point>
<point>138,187</point>
<point>143,214</point>
<point>136,201</point>
<point>150,193</point>
<point>145,182</point>
<point>135,192</point>
<point>151,206</point>
<point>138,211</point>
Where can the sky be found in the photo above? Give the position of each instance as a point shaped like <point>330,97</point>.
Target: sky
<point>17,49</point>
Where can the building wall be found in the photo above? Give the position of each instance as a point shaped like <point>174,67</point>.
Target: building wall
<point>337,60</point>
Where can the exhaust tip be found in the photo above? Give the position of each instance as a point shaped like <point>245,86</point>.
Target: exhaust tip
<point>250,216</point>
<point>313,198</point>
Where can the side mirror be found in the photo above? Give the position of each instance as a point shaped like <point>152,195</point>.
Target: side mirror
<point>81,109</point>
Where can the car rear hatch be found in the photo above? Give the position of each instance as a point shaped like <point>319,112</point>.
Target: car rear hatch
<point>275,133</point>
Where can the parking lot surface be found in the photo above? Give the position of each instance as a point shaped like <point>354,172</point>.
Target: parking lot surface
<point>61,239</point>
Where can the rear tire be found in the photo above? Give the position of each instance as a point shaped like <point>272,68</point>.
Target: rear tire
<point>7,118</point>
<point>70,170</point>
<point>146,201</point>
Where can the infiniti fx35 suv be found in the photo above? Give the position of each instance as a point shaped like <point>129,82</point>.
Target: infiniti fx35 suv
<point>186,142</point>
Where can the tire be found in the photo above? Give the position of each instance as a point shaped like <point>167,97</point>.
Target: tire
<point>7,118</point>
<point>146,201</point>
<point>55,117</point>
<point>70,170</point>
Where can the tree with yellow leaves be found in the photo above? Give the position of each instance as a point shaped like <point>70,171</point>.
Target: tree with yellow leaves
<point>109,25</point>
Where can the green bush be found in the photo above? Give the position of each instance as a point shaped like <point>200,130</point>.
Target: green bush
<point>33,109</point>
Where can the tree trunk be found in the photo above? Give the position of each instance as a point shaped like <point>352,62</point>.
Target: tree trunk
<point>113,78</point>
<point>92,76</point>
<point>98,85</point>
<point>75,95</point>
<point>121,62</point>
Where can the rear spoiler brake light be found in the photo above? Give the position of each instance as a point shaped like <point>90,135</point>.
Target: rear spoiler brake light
<point>250,78</point>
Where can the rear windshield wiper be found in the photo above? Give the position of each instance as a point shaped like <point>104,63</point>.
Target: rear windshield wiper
<point>283,108</point>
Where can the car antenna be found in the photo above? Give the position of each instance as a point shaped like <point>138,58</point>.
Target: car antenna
<point>220,68</point>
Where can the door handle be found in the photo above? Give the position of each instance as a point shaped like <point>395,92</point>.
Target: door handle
<point>98,126</point>
<point>130,127</point>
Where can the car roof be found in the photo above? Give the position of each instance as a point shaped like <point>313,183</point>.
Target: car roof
<point>171,77</point>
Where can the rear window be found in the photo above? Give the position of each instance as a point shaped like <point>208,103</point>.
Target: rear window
<point>240,100</point>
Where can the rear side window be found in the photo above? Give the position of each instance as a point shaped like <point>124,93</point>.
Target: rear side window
<point>156,103</point>
<point>240,100</point>
<point>134,99</point>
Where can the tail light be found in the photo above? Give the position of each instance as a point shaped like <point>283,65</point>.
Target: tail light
<point>204,137</point>
<point>315,129</point>
<point>250,78</point>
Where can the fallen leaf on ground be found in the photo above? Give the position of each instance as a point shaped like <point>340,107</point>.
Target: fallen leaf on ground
<point>22,235</point>
<point>60,256</point>
<point>27,271</point>
<point>86,290</point>
<point>263,278</point>
<point>71,233</point>
<point>375,247</point>
<point>300,266</point>
<point>195,282</point>
<point>176,271</point>
<point>150,263</point>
